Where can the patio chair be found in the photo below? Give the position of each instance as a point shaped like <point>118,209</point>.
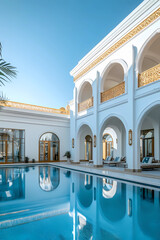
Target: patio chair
<point>115,161</point>
<point>107,160</point>
<point>149,163</point>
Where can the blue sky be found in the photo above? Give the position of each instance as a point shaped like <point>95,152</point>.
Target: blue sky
<point>45,39</point>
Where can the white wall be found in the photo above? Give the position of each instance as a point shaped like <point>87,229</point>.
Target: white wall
<point>35,124</point>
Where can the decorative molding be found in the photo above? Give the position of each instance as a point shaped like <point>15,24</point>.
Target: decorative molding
<point>123,40</point>
<point>113,92</point>
<point>35,107</point>
<point>149,76</point>
<point>85,104</point>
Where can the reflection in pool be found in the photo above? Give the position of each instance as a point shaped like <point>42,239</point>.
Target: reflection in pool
<point>74,206</point>
<point>12,184</point>
<point>48,178</point>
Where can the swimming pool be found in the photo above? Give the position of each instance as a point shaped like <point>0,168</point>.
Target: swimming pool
<point>51,203</point>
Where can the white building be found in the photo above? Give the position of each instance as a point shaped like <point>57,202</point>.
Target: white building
<point>116,103</point>
<point>36,132</point>
<point>117,92</point>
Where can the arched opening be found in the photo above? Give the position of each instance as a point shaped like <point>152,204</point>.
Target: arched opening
<point>49,148</point>
<point>149,62</point>
<point>149,135</point>
<point>49,178</point>
<point>113,130</point>
<point>113,84</point>
<point>84,142</point>
<point>85,97</point>
<point>88,147</point>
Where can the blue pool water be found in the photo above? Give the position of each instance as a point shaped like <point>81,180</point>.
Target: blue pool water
<point>51,203</point>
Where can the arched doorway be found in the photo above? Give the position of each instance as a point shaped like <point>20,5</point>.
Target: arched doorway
<point>149,134</point>
<point>84,143</point>
<point>49,147</point>
<point>147,143</point>
<point>88,147</point>
<point>113,130</point>
<point>107,146</point>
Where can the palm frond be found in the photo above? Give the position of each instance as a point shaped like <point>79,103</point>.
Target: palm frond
<point>7,71</point>
<point>0,49</point>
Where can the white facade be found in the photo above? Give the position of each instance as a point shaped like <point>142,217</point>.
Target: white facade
<point>35,124</point>
<point>132,48</point>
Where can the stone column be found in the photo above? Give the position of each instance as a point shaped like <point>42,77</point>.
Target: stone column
<point>130,149</point>
<point>96,159</point>
<point>74,127</point>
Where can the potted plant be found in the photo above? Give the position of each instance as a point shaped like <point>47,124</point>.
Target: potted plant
<point>68,155</point>
<point>26,159</point>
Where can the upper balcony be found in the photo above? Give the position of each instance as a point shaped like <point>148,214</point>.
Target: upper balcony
<point>113,82</point>
<point>85,98</point>
<point>149,62</point>
<point>85,104</point>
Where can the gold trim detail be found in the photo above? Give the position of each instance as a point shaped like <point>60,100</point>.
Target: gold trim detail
<point>85,104</point>
<point>113,92</point>
<point>35,107</point>
<point>123,40</point>
<point>149,76</point>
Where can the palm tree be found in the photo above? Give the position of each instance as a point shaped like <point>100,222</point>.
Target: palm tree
<point>7,71</point>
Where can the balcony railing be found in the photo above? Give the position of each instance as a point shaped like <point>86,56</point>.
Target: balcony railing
<point>113,92</point>
<point>25,106</point>
<point>85,104</point>
<point>149,76</point>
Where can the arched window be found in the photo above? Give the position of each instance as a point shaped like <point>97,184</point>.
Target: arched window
<point>49,147</point>
<point>88,147</point>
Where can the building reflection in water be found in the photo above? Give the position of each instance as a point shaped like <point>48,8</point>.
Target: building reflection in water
<point>85,190</point>
<point>12,184</point>
<point>109,188</point>
<point>148,206</point>
<point>98,207</point>
<point>49,178</point>
<point>85,228</point>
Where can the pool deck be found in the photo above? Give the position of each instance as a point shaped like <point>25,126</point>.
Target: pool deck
<point>146,177</point>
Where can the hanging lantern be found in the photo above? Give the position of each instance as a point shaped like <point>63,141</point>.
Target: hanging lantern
<point>130,137</point>
<point>94,140</point>
<point>72,142</point>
